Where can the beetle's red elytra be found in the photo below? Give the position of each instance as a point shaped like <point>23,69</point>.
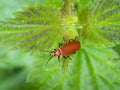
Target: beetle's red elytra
<point>67,49</point>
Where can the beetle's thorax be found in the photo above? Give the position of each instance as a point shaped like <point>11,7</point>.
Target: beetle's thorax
<point>56,53</point>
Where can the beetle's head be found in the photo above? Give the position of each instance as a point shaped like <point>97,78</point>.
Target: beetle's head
<point>55,53</point>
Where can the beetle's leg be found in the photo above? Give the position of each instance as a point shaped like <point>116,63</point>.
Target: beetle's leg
<point>55,49</point>
<point>70,58</point>
<point>58,58</point>
<point>60,44</point>
<point>70,40</point>
<point>74,53</point>
<point>75,38</point>
<point>67,57</point>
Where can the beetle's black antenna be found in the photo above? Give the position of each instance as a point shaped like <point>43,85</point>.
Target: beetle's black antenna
<point>48,60</point>
<point>58,58</point>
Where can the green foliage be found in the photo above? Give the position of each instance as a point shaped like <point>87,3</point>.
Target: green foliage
<point>117,48</point>
<point>89,70</point>
<point>41,26</point>
<point>8,7</point>
<point>31,28</point>
<point>100,21</point>
<point>14,67</point>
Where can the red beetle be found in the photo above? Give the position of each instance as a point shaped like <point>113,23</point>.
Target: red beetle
<point>66,50</point>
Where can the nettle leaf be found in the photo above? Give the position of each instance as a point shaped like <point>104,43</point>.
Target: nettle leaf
<point>92,68</point>
<point>100,21</point>
<point>96,68</point>
<point>117,48</point>
<point>36,26</point>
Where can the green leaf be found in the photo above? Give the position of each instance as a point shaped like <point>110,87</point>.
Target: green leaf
<point>92,68</point>
<point>117,48</point>
<point>36,26</point>
<point>100,21</point>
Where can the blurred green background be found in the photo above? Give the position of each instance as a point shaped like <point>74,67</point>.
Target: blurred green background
<point>14,65</point>
<point>7,8</point>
